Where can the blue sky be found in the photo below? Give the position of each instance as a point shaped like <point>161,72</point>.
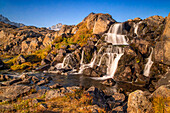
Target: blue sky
<point>44,13</point>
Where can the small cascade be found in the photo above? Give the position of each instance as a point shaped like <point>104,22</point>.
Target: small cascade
<point>90,65</point>
<point>136,26</point>
<point>148,65</point>
<point>114,54</point>
<point>65,61</point>
<point>82,57</point>
<point>115,35</point>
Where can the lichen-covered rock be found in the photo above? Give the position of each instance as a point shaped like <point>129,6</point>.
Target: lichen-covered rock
<point>138,103</point>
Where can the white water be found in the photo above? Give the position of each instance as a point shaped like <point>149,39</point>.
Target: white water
<point>62,65</point>
<point>112,62</point>
<point>148,65</point>
<point>136,27</point>
<point>115,35</point>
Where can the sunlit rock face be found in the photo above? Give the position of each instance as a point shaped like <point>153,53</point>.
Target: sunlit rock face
<point>100,23</point>
<point>162,52</point>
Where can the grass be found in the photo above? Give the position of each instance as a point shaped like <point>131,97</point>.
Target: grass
<point>80,37</point>
<point>161,105</point>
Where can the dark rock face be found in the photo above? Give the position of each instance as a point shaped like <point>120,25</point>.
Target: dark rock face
<point>1,64</point>
<point>114,103</point>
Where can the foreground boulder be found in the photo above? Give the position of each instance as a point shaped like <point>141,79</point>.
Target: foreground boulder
<point>138,103</point>
<point>11,93</point>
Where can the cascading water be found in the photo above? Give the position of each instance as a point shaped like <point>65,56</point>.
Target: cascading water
<point>62,65</point>
<point>115,36</point>
<point>136,27</point>
<point>114,54</point>
<point>148,65</point>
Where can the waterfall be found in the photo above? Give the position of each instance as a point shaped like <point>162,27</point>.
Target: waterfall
<point>136,27</point>
<point>62,65</point>
<point>82,57</point>
<point>148,65</point>
<point>114,54</point>
<point>115,35</point>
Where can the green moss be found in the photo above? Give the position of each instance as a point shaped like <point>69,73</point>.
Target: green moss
<point>21,67</point>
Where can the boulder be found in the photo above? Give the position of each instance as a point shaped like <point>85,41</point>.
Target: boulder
<point>55,86</point>
<point>12,92</point>
<point>138,103</point>
<point>162,91</point>
<point>100,23</point>
<point>164,80</point>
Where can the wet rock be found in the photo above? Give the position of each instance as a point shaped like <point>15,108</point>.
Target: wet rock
<point>24,76</point>
<point>12,92</point>
<point>11,82</point>
<point>138,103</point>
<point>45,62</point>
<point>43,82</point>
<point>25,81</point>
<point>35,79</point>
<point>55,86</point>
<point>45,67</point>
<point>109,82</point>
<point>87,71</point>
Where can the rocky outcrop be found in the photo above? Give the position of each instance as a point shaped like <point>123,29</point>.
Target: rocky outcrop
<point>65,29</point>
<point>138,103</point>
<point>162,52</point>
<point>100,23</point>
<point>24,40</point>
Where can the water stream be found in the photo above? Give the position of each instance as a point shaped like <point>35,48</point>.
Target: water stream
<point>148,64</point>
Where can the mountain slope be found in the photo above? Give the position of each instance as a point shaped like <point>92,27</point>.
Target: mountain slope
<point>7,21</point>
